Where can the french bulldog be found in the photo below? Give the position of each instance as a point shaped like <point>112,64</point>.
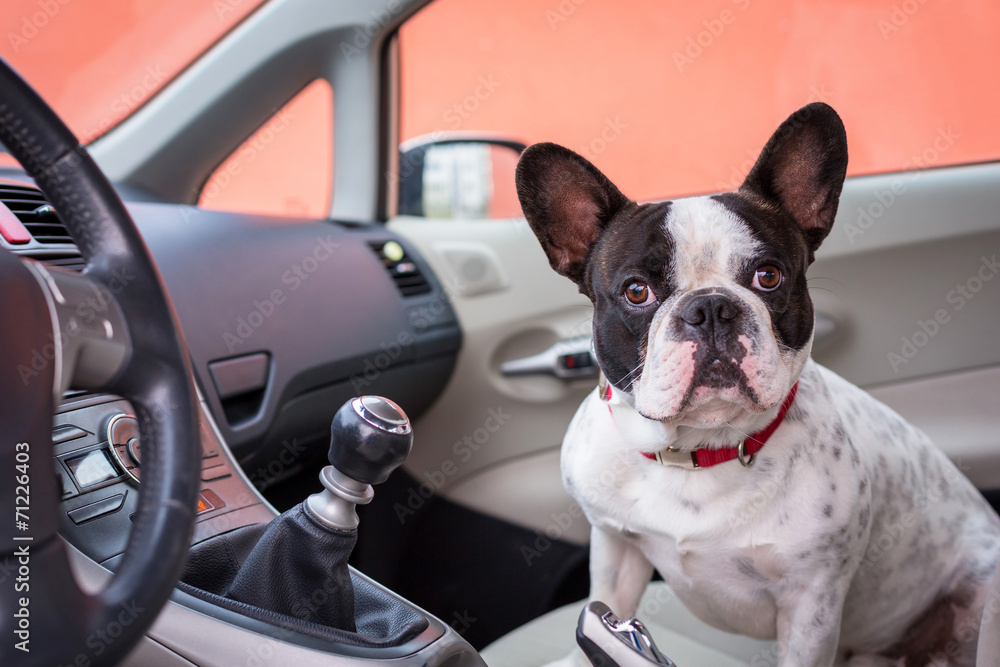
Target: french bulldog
<point>776,499</point>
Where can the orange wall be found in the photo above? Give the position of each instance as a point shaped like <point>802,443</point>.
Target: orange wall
<point>96,61</point>
<point>610,80</point>
<point>285,168</point>
<point>607,79</point>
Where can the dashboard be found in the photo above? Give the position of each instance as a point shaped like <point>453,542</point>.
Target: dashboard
<point>284,321</point>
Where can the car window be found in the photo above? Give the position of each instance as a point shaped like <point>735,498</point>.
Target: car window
<point>96,62</point>
<point>673,97</point>
<point>286,167</point>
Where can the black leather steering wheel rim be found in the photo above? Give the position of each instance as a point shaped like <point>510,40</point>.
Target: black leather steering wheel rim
<point>67,622</point>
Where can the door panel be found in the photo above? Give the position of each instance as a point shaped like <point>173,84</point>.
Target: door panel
<point>485,419</point>
<point>909,278</point>
<point>894,262</point>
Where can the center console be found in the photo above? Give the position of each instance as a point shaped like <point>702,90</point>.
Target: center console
<point>99,462</point>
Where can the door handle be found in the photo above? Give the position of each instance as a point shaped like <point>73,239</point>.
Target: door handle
<point>568,359</point>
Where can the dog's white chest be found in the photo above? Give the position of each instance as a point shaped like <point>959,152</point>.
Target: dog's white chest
<point>724,539</point>
<point>724,572</point>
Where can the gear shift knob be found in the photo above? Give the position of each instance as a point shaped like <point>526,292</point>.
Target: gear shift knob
<point>369,438</point>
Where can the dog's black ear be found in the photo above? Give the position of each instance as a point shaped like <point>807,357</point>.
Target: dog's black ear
<point>568,203</point>
<point>802,169</point>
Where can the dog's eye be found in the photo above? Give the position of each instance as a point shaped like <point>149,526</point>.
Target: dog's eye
<point>639,294</point>
<point>767,278</point>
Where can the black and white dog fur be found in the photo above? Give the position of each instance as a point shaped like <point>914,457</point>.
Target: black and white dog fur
<point>851,540</point>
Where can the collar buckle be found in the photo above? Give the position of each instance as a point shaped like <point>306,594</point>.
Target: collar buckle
<point>671,456</point>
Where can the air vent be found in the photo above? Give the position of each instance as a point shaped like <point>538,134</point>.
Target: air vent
<point>37,215</point>
<point>68,261</point>
<point>28,204</point>
<point>404,271</point>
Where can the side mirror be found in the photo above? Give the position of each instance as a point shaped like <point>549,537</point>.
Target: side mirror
<point>460,177</point>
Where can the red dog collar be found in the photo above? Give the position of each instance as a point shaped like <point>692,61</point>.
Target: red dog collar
<point>745,451</point>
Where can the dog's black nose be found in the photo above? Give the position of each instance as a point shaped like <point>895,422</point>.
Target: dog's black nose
<point>709,311</point>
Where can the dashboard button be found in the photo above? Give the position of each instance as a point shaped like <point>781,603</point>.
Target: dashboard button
<point>213,498</point>
<point>203,504</point>
<point>65,433</point>
<point>123,434</point>
<point>215,473</point>
<point>133,450</point>
<point>98,509</point>
<point>11,228</point>
<point>122,428</point>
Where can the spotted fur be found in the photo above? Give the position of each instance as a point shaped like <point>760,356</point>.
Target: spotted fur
<point>852,540</point>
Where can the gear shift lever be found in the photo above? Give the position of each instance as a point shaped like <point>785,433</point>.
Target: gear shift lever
<point>369,438</point>
<point>298,565</point>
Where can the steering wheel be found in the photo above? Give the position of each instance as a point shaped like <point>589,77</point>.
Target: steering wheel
<point>111,328</point>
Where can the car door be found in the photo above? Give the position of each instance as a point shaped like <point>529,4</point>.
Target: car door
<point>670,99</point>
